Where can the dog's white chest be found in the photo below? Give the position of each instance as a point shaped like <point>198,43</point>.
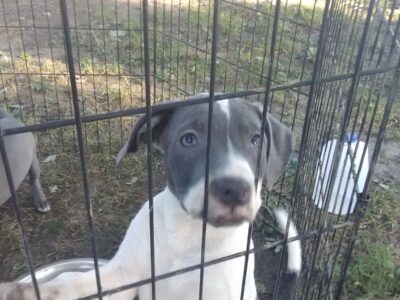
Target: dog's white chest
<point>221,282</point>
<point>178,246</point>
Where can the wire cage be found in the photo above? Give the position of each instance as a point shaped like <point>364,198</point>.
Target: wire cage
<point>78,73</point>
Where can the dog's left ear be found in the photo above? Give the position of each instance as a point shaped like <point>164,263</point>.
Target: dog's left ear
<point>281,142</point>
<point>138,134</point>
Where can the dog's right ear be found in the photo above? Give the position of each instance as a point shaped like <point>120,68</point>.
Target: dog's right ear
<point>138,134</point>
<point>281,142</point>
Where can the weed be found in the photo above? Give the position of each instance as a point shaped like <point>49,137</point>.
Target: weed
<point>374,273</point>
<point>110,68</point>
<point>375,269</point>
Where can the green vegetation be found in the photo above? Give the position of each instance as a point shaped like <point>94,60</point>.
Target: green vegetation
<point>109,65</point>
<point>375,270</point>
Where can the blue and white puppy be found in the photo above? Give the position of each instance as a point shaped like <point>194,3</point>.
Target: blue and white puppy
<point>178,210</point>
<point>21,154</point>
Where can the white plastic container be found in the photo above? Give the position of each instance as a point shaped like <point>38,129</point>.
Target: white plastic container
<point>324,173</point>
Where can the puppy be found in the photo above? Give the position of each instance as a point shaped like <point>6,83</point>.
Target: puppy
<point>178,210</point>
<point>21,153</point>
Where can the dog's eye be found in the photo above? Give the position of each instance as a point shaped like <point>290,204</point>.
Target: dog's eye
<point>189,140</point>
<point>255,139</point>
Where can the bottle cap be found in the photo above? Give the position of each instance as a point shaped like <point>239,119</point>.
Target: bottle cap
<point>351,137</point>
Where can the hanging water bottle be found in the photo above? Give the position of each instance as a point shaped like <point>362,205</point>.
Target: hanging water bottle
<point>342,196</point>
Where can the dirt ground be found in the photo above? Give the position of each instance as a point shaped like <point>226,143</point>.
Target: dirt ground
<point>388,167</point>
<point>117,193</point>
<point>47,19</point>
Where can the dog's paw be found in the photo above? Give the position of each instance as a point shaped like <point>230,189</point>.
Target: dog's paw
<point>41,202</point>
<point>43,207</point>
<point>12,291</point>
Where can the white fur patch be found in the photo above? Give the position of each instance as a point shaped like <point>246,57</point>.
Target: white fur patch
<point>236,166</point>
<point>224,106</point>
<point>294,247</point>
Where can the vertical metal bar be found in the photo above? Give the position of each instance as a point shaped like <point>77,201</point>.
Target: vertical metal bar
<point>378,31</point>
<point>264,55</point>
<point>348,108</point>
<point>395,41</point>
<point>228,42</point>
<point>374,159</point>
<point>388,28</point>
<point>14,200</point>
<point>170,47</point>
<point>292,52</point>
<point>206,42</point>
<point>382,83</point>
<point>74,91</point>
<point>178,44</point>
<point>155,20</point>
<point>262,130</point>
<point>346,119</point>
<point>187,45</point>
<point>146,50</point>
<point>78,57</point>
<point>61,131</point>
<point>119,68</point>
<point>354,35</point>
<point>130,55</point>
<point>325,241</point>
<point>28,76</point>
<point>317,106</point>
<point>239,47</point>
<point>326,130</point>
<point>251,47</point>
<point>128,11</point>
<point>197,45</point>
<point>12,60</point>
<point>40,70</point>
<point>307,122</point>
<point>321,109</point>
<point>327,254</point>
<point>352,11</point>
<point>350,155</point>
<point>91,46</point>
<point>162,66</point>
<point>106,70</point>
<point>3,90</point>
<point>304,61</point>
<point>214,49</point>
<point>323,211</point>
<point>268,88</point>
<point>278,55</point>
<point>141,50</point>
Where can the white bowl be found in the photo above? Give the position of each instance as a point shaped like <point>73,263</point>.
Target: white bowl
<point>51,271</point>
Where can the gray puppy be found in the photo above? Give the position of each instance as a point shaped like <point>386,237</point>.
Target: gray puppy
<point>233,201</point>
<point>21,153</point>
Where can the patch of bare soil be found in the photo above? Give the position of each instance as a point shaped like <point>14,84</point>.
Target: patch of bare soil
<point>116,193</point>
<point>388,166</point>
<point>36,26</point>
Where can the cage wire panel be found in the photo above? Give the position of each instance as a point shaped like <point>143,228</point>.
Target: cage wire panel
<point>325,68</point>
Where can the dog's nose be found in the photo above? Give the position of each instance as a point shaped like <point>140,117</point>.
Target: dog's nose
<point>231,191</point>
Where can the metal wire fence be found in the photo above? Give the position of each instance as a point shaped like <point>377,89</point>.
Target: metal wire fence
<point>76,72</point>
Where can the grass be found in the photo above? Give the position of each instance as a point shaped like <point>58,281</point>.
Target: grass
<point>116,193</point>
<point>107,65</point>
<point>374,274</point>
<point>375,270</point>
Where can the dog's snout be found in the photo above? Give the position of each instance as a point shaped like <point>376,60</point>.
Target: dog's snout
<point>231,191</point>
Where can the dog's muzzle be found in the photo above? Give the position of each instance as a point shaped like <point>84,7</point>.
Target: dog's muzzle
<point>231,201</point>
<point>231,191</point>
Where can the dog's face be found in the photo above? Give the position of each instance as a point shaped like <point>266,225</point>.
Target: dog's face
<point>235,139</point>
